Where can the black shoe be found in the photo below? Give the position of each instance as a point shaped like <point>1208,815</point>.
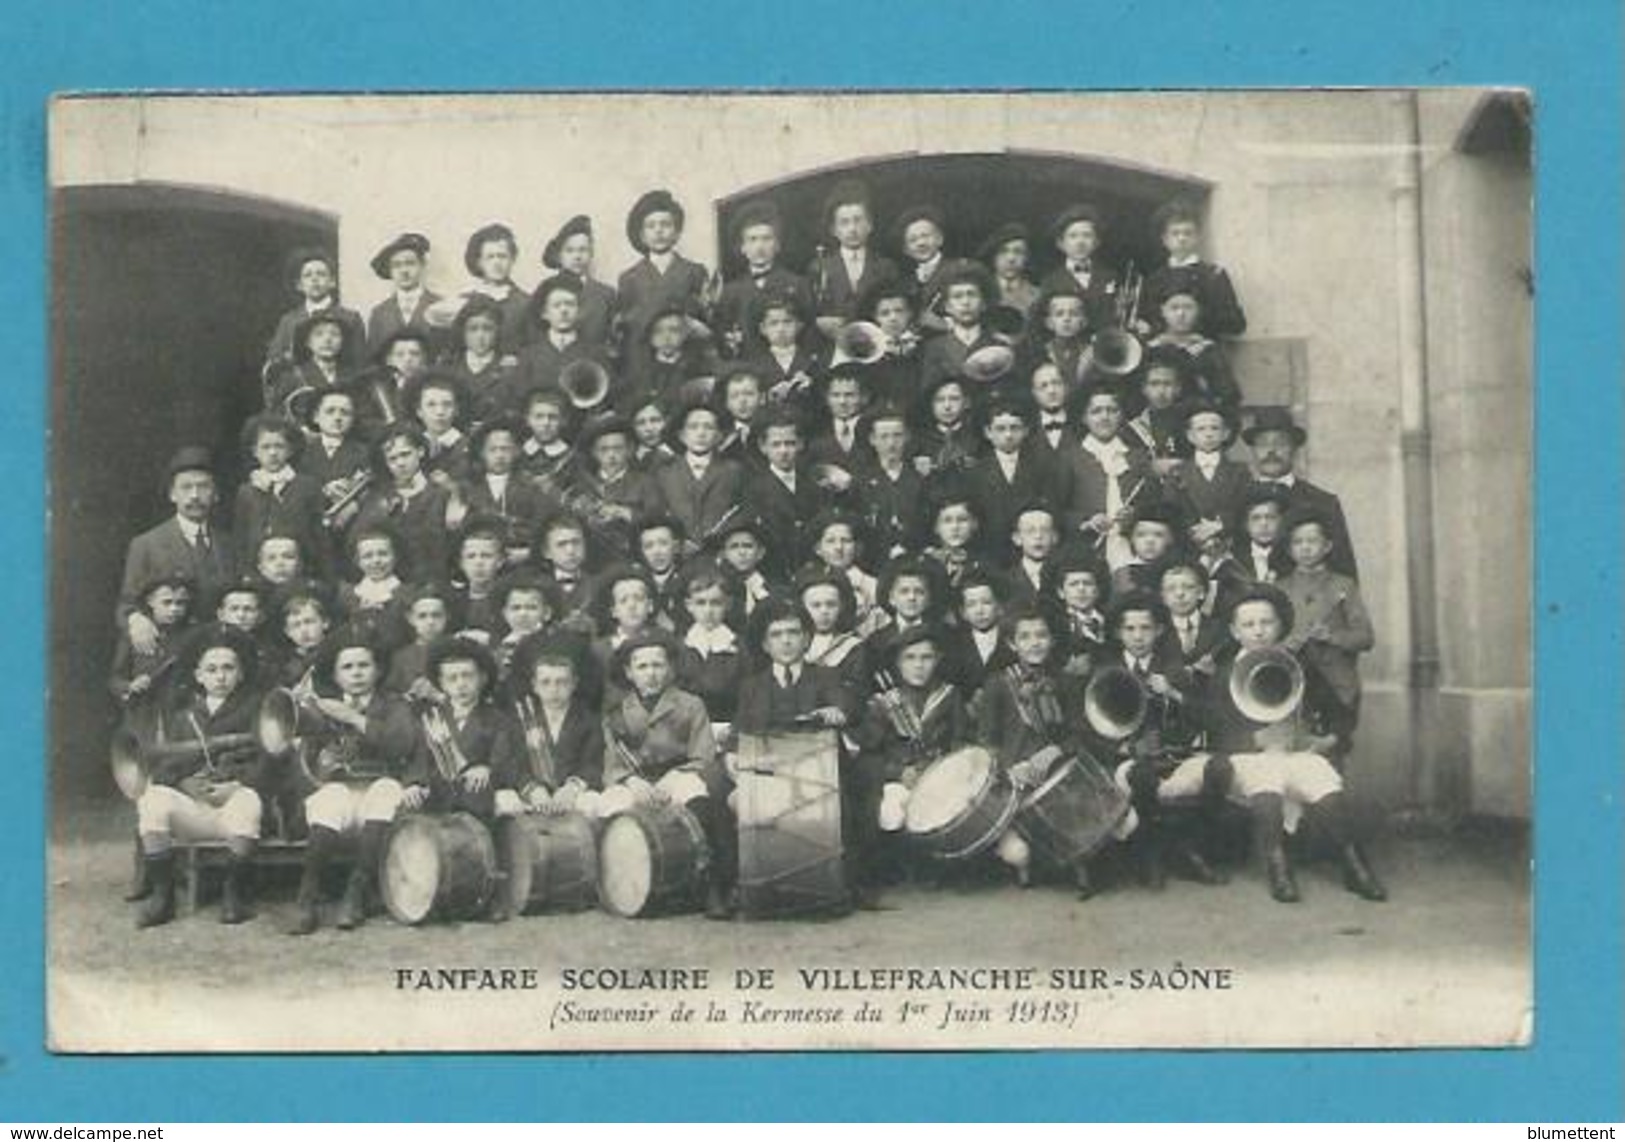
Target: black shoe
<point>234,903</point>
<point>1283,885</point>
<point>719,903</point>
<point>1083,882</point>
<point>140,883</point>
<point>1153,869</point>
<point>498,909</point>
<point>353,908</point>
<point>1194,866</point>
<point>1358,877</point>
<point>159,906</point>
<point>866,898</point>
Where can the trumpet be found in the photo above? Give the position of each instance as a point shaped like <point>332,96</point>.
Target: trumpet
<point>1115,350</point>
<point>1267,684</point>
<point>859,342</point>
<point>1115,703</point>
<point>449,759</point>
<point>356,487</point>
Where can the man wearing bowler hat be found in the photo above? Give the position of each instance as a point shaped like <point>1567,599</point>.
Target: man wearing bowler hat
<point>1275,440</point>
<point>186,543</point>
<point>401,263</point>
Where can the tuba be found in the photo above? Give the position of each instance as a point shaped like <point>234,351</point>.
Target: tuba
<point>585,382</point>
<point>1115,703</point>
<point>132,758</point>
<point>1115,350</point>
<point>1266,685</point>
<point>989,363</point>
<point>860,342</point>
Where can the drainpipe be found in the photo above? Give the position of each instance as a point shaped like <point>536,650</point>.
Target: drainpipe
<point>1427,795</point>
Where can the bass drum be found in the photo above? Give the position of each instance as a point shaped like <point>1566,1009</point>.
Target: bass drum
<point>961,804</point>
<point>438,867</point>
<point>552,862</point>
<point>652,861</point>
<point>1072,812</point>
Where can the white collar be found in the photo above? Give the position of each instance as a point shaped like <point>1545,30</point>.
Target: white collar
<point>417,484</point>
<point>1208,462</point>
<point>189,530</point>
<point>562,340</point>
<point>783,354</point>
<point>1183,260</point>
<point>924,270</point>
<point>788,479</point>
<point>961,331</point>
<point>720,640</point>
<point>1287,481</point>
<point>697,463</point>
<point>854,257</point>
<point>985,640</point>
<point>662,262</point>
<point>212,705</point>
<point>497,481</point>
<point>1007,460</point>
<point>407,300</point>
<point>377,591</point>
<point>492,289</point>
<point>322,306</point>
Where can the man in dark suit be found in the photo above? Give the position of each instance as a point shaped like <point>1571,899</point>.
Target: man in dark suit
<point>184,544</point>
<point>756,233</point>
<point>1275,440</point>
<point>400,263</point>
<point>698,487</point>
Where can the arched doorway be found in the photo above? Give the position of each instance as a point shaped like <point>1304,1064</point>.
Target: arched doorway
<point>978,193</point>
<point>162,300</point>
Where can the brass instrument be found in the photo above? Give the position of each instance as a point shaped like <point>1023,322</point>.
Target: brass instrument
<point>587,506</point>
<point>132,758</point>
<point>820,285</point>
<point>1115,703</point>
<point>859,342</point>
<point>1115,350</point>
<point>355,487</point>
<point>585,382</point>
<point>904,720</point>
<point>448,756</point>
<point>989,363</point>
<point>537,747</point>
<point>378,386</point>
<point>1267,685</point>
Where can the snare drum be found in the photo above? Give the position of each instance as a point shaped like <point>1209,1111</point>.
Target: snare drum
<point>652,860</point>
<point>438,866</point>
<point>961,804</point>
<point>552,862</point>
<point>1073,812</point>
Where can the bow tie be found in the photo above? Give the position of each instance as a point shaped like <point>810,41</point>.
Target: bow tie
<point>1054,423</point>
<point>266,482</point>
<point>566,580</point>
<point>759,277</point>
<point>1078,267</point>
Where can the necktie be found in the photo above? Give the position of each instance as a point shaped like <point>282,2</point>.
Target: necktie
<point>202,540</point>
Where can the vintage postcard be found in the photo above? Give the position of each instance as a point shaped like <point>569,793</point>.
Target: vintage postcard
<point>790,571</point>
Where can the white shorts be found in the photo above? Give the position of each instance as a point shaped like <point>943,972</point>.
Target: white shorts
<point>681,785</point>
<point>164,811</point>
<point>345,808</point>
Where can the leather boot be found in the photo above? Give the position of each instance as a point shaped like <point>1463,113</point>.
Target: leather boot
<point>159,906</point>
<point>353,907</point>
<point>140,883</point>
<point>234,896</point>
<point>317,854</point>
<point>1194,866</point>
<point>1332,814</point>
<point>719,904</point>
<point>1268,831</point>
<point>1082,881</point>
<point>500,906</point>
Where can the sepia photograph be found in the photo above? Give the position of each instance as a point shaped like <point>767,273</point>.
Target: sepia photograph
<point>816,570</point>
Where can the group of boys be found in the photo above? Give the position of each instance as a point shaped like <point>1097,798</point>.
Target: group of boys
<point>549,553</point>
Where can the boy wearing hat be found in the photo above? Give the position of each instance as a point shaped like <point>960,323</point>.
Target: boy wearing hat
<point>659,748</point>
<point>921,232</point>
<point>1059,335</point>
<point>698,487</point>
<point>401,263</point>
<point>569,254</point>
<point>662,278</point>
<point>556,340</point>
<point>1008,253</point>
<point>840,277</point>
<point>1211,377</point>
<point>1158,427</point>
<point>975,647</point>
<point>185,544</point>
<point>1179,226</point>
<point>607,478</point>
<point>786,364</point>
<point>319,364</point>
<point>1275,440</point>
<point>1077,232</point>
<point>489,258</point>
<point>963,291</point>
<point>756,236</point>
<point>214,791</point>
<point>895,378</point>
<point>1280,769</point>
<point>313,275</point>
<point>1332,627</point>
<point>1153,535</point>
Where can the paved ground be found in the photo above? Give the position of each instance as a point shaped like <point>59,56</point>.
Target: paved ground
<point>1445,962</point>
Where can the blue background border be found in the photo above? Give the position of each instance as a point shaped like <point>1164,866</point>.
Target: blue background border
<point>1569,52</point>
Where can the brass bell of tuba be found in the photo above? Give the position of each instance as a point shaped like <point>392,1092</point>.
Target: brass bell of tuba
<point>585,382</point>
<point>1266,685</point>
<point>859,342</point>
<point>1115,703</point>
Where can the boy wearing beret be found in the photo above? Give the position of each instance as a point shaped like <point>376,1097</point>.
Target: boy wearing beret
<point>401,263</point>
<point>313,275</point>
<point>1077,233</point>
<point>756,237</point>
<point>569,254</point>
<point>840,277</point>
<point>662,278</point>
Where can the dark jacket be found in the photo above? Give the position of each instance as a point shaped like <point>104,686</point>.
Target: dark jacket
<point>765,706</point>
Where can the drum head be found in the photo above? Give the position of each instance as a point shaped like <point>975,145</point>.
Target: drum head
<point>946,788</point>
<point>524,851</point>
<point>625,866</point>
<point>412,871</point>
